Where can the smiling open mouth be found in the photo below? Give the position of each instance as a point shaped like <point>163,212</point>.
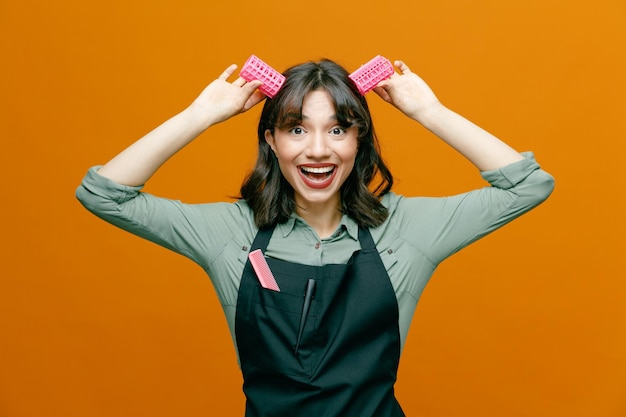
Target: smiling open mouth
<point>317,176</point>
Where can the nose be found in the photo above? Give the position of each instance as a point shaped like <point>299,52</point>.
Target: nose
<point>318,146</point>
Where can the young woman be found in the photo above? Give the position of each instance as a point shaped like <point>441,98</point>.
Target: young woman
<point>349,256</point>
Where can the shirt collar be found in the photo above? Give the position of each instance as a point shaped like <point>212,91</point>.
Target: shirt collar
<point>347,223</point>
<point>351,227</point>
<point>286,228</point>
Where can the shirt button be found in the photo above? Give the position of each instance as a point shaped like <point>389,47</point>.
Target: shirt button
<point>317,245</point>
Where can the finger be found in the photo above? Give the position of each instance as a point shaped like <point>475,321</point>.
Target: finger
<point>382,93</point>
<point>228,72</point>
<point>254,99</point>
<point>404,68</point>
<point>252,85</point>
<point>239,82</point>
<point>387,86</point>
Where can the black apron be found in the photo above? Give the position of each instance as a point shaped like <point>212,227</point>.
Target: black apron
<point>347,358</point>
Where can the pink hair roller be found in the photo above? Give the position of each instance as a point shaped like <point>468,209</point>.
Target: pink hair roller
<point>255,69</point>
<point>370,74</point>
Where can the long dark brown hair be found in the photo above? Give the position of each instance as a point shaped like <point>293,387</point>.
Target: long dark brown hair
<point>266,191</point>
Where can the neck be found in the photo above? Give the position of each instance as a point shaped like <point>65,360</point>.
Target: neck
<point>324,220</point>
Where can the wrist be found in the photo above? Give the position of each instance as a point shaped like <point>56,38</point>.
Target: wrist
<point>199,116</point>
<point>431,116</point>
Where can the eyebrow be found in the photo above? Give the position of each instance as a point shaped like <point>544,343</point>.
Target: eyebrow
<point>303,117</point>
<point>289,118</point>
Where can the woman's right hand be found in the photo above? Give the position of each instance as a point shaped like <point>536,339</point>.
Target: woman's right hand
<point>222,99</point>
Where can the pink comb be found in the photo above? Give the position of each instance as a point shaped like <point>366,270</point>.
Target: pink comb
<point>255,69</point>
<point>262,270</point>
<point>370,74</point>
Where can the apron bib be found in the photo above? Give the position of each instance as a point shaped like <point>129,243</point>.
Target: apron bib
<point>343,361</point>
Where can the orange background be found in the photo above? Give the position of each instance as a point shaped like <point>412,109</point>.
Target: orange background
<point>530,321</point>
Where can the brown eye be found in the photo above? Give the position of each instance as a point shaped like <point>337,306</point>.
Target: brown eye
<point>296,130</point>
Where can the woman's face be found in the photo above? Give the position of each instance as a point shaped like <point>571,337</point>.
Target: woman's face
<point>317,155</point>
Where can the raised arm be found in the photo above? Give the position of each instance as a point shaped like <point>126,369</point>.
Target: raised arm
<point>219,101</point>
<point>411,95</point>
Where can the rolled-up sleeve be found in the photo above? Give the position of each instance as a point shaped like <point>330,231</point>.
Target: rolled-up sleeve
<point>101,195</point>
<point>517,172</point>
<point>525,186</point>
<point>197,231</point>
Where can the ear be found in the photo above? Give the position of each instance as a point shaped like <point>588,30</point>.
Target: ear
<point>269,138</point>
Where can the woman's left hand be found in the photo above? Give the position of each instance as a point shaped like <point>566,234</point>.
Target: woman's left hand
<point>407,92</point>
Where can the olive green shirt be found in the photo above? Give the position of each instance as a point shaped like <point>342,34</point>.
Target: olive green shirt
<point>419,233</point>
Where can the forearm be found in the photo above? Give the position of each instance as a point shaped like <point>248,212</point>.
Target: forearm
<point>480,147</point>
<point>137,163</point>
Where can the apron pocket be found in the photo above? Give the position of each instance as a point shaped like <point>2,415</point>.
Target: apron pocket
<point>274,329</point>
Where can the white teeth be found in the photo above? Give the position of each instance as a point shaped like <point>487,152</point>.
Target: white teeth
<point>322,170</point>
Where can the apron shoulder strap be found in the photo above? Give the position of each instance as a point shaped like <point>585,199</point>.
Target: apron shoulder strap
<point>365,239</point>
<point>262,238</point>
